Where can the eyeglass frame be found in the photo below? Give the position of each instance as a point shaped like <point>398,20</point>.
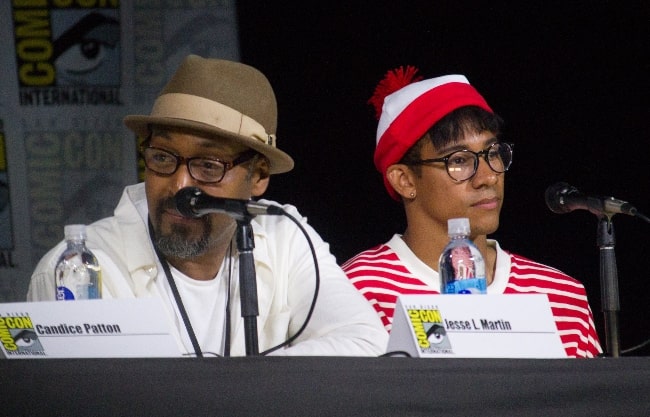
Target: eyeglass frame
<point>485,152</point>
<point>227,166</point>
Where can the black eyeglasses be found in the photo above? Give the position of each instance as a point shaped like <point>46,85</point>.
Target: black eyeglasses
<point>206,170</point>
<point>462,165</point>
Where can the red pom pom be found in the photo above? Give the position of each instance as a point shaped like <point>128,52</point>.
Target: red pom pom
<point>393,81</point>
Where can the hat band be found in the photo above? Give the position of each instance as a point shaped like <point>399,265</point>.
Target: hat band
<point>202,110</point>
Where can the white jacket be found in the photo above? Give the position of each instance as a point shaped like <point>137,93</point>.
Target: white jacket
<point>343,322</point>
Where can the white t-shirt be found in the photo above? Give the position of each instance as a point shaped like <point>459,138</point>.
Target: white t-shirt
<point>204,299</point>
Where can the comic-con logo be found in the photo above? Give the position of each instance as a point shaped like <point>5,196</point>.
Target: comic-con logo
<point>18,336</point>
<point>63,45</point>
<point>429,330</point>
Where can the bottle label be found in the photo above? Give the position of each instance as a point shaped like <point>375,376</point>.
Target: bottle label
<point>64,293</point>
<point>467,286</point>
<point>463,262</point>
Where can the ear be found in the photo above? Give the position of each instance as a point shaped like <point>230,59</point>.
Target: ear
<point>261,177</point>
<point>400,178</point>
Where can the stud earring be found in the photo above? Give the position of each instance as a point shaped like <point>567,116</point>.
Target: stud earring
<point>412,195</point>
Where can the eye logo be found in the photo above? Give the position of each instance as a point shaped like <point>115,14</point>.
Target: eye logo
<point>26,338</point>
<point>436,334</point>
<point>87,52</point>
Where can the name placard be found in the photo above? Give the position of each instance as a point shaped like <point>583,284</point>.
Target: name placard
<point>136,327</point>
<point>475,326</point>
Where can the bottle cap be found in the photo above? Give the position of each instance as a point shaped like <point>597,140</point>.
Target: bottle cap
<point>74,231</point>
<point>458,226</point>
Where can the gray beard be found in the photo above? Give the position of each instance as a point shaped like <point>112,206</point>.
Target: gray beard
<point>177,245</point>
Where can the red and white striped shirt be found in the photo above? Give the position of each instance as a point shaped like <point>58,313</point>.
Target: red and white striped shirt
<point>388,270</point>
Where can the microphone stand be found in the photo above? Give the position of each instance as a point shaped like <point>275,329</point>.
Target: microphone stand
<point>247,283</point>
<point>609,284</point>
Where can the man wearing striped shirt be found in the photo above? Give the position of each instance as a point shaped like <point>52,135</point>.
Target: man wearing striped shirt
<point>439,152</point>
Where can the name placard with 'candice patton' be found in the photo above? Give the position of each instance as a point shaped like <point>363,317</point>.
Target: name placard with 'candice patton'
<point>136,327</point>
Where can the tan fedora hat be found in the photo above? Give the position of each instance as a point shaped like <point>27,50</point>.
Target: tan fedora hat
<point>219,97</point>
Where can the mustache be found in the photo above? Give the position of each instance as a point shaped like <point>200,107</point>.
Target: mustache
<point>168,203</point>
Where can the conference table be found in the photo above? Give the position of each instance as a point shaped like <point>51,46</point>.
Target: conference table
<point>325,386</point>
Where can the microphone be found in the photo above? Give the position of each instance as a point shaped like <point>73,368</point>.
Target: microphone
<point>193,202</point>
<point>563,198</point>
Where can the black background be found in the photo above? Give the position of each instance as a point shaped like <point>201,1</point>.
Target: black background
<point>570,79</point>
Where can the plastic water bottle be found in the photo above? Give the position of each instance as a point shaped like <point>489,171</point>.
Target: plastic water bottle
<point>77,274</point>
<point>461,265</point>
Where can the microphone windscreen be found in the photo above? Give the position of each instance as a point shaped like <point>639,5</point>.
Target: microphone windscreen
<point>184,201</point>
<point>553,197</point>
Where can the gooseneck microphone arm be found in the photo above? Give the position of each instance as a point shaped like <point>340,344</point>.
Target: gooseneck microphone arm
<point>609,294</point>
<point>193,202</point>
<point>564,198</point>
<point>248,284</point>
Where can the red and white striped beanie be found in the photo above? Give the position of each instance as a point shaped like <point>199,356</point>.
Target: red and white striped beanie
<point>407,107</point>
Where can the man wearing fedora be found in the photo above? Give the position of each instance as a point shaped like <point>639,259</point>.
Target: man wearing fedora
<point>213,128</point>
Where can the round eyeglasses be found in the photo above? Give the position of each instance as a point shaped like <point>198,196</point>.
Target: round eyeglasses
<point>462,165</point>
<point>206,170</point>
